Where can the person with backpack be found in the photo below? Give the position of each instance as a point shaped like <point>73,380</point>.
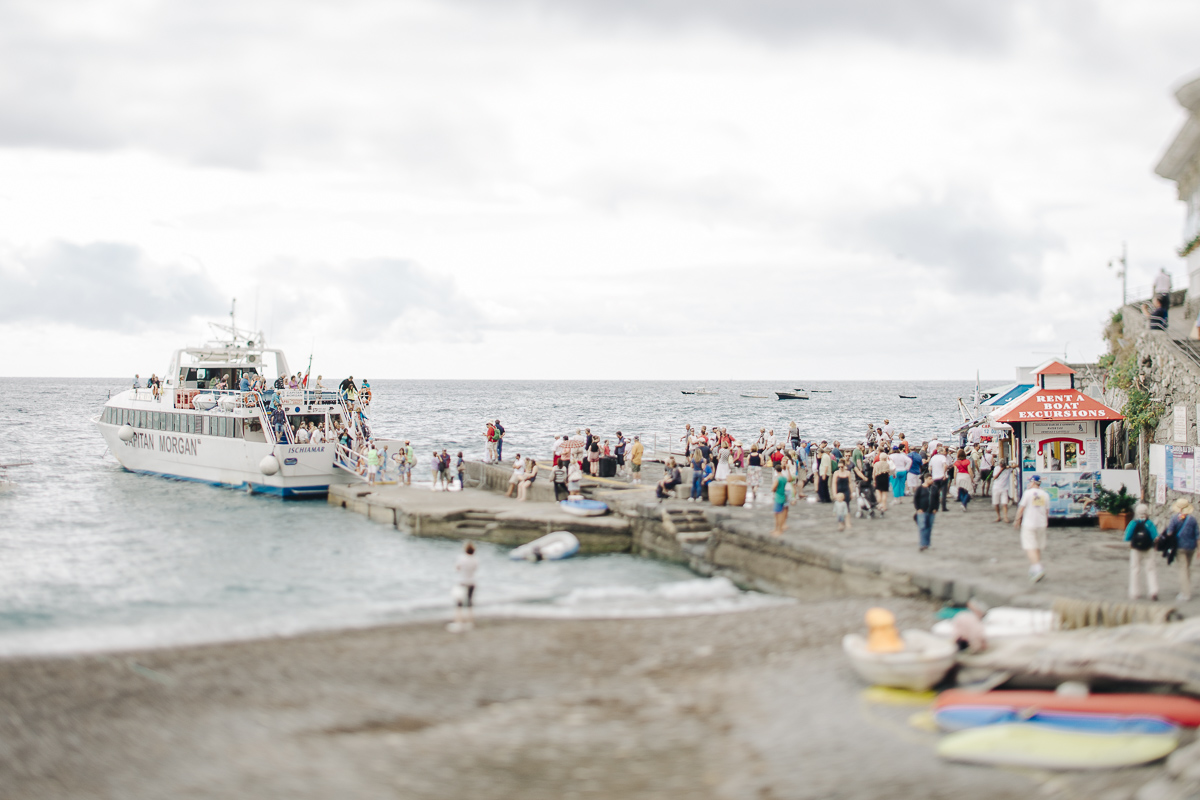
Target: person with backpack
<point>499,442</point>
<point>1141,534</point>
<point>1184,528</point>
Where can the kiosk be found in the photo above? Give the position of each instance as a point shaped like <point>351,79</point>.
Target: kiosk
<point>1059,435</point>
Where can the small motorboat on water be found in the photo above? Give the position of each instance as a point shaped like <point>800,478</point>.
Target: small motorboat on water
<point>582,507</point>
<point>798,395</point>
<point>908,397</point>
<point>551,547</point>
<point>757,396</point>
<point>701,390</point>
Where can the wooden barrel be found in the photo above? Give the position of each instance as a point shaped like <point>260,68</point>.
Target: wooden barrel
<point>716,493</point>
<point>736,493</point>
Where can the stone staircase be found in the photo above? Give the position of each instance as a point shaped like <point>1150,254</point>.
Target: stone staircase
<point>687,525</point>
<point>475,523</point>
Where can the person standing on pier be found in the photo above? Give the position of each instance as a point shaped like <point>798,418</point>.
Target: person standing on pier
<point>925,501</point>
<point>1183,526</point>
<point>1141,534</point>
<point>499,442</point>
<point>824,472</point>
<point>489,437</point>
<point>559,477</point>
<point>460,465</point>
<point>937,470</point>
<point>1033,518</point>
<point>635,459</point>
<point>779,488</point>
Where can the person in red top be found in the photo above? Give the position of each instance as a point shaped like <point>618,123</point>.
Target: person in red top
<point>962,478</point>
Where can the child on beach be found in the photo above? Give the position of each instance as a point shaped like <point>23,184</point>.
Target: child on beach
<point>464,590</point>
<point>842,511</point>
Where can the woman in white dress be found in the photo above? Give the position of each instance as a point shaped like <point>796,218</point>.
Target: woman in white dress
<point>723,464</point>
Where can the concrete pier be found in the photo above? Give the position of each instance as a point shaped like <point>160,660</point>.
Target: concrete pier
<point>972,556</point>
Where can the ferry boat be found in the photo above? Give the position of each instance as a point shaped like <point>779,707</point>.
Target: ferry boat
<point>189,429</point>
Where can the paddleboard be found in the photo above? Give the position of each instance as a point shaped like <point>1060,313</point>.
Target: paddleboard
<point>1180,710</point>
<point>957,718</point>
<point>1024,744</point>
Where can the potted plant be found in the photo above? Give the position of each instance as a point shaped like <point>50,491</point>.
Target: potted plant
<point>1116,508</point>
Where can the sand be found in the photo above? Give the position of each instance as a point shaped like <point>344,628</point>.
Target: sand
<point>752,705</point>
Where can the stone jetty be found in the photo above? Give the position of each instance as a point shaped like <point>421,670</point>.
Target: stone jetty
<point>972,556</point>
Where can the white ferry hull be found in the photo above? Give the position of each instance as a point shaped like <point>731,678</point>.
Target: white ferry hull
<point>305,470</point>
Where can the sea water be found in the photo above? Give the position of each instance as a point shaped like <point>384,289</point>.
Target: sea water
<point>94,557</point>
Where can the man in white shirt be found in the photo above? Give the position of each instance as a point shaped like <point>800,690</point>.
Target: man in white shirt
<point>937,471</point>
<point>1033,518</point>
<point>1162,287</point>
<point>888,430</point>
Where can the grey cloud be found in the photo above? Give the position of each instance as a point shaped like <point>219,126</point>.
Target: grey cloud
<point>962,239</point>
<point>368,298</point>
<point>102,286</point>
<point>944,23</point>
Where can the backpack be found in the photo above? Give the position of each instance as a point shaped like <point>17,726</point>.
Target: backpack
<point>1140,538</point>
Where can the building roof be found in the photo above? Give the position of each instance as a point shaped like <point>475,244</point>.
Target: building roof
<point>1049,405</point>
<point>1054,368</point>
<point>1181,153</point>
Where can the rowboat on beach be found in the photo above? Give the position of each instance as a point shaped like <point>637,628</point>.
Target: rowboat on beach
<point>922,663</point>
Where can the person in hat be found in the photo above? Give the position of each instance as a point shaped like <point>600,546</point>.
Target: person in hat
<point>1033,518</point>
<point>1183,526</point>
<point>635,460</point>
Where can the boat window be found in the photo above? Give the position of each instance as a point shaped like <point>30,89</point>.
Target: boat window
<point>172,422</point>
<point>237,428</point>
<point>154,420</point>
<point>189,422</point>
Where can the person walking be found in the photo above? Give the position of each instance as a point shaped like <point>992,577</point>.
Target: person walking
<point>460,466</point>
<point>900,464</point>
<point>1141,533</point>
<point>465,568</point>
<point>1002,489</point>
<point>962,478</point>
<point>779,488</point>
<point>1033,518</point>
<point>824,473</point>
<point>937,469</point>
<point>925,501</point>
<point>883,477</point>
<point>1183,526</point>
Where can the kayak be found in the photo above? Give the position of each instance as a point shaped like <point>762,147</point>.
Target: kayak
<point>551,547</point>
<point>1180,710</point>
<point>1025,744</point>
<point>957,718</point>
<point>584,508</point>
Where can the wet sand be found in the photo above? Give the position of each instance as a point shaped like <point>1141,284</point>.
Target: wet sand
<point>752,705</point>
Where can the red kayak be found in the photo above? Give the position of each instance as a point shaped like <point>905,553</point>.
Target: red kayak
<point>1180,710</point>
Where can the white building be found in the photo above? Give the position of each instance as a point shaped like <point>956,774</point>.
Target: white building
<point>1181,163</point>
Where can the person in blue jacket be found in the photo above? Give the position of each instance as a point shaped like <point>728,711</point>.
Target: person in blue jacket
<point>1141,534</point>
<point>1183,526</point>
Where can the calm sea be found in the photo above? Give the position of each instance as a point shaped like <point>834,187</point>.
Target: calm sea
<point>94,557</point>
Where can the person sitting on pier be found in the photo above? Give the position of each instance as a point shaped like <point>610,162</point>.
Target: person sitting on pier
<point>518,475</point>
<point>671,479</point>
<point>531,473</point>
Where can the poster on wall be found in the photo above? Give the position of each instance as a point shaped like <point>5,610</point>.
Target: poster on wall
<point>1091,459</point>
<point>1181,469</point>
<point>1179,428</point>
<point>1042,429</point>
<point>1028,464</point>
<point>1072,495</point>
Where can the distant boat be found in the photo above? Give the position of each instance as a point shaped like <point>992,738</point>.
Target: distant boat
<point>821,391</point>
<point>757,396</point>
<point>792,395</point>
<point>701,390</point>
<point>908,397</point>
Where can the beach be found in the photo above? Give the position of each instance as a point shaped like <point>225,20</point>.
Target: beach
<point>758,704</point>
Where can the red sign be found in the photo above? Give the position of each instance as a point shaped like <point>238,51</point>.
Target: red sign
<point>1066,404</point>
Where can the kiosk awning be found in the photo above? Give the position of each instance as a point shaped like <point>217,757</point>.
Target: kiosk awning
<point>1059,404</point>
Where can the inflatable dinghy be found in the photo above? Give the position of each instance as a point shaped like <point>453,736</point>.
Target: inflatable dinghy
<point>551,547</point>
<point>584,508</point>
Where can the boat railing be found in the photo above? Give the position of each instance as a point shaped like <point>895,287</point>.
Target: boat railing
<point>350,460</point>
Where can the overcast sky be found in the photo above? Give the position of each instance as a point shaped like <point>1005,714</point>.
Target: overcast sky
<point>676,189</point>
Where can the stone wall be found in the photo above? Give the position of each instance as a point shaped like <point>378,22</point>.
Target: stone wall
<point>1172,379</point>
